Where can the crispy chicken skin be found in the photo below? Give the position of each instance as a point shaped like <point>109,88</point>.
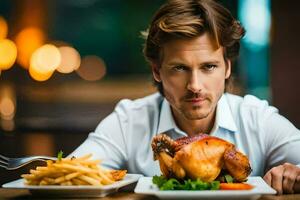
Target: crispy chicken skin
<point>201,156</point>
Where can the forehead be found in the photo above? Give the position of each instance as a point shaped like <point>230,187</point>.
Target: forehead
<point>202,46</point>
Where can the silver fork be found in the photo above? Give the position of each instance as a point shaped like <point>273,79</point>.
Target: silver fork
<point>15,163</point>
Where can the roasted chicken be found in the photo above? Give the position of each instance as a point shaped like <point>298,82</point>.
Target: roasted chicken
<point>201,156</point>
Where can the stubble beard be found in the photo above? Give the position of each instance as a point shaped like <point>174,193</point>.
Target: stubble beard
<point>194,113</point>
<point>197,112</point>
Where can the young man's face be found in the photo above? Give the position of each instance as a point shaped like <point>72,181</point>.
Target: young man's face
<point>193,73</point>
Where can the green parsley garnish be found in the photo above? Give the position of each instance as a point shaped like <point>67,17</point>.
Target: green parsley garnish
<point>174,184</point>
<point>60,155</point>
<point>228,178</point>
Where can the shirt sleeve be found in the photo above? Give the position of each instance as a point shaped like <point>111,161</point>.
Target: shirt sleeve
<point>282,140</point>
<point>106,143</point>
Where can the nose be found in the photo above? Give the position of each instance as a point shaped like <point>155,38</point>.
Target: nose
<point>194,82</point>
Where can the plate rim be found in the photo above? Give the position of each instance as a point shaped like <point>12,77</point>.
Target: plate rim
<point>129,178</point>
<point>202,193</point>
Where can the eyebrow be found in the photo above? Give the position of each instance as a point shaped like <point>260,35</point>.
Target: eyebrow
<point>202,64</point>
<point>216,62</point>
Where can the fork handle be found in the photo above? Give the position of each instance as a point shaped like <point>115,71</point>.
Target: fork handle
<point>41,158</point>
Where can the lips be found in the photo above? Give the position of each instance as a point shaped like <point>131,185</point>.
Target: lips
<point>195,100</point>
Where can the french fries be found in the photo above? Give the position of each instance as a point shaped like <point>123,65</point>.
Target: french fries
<point>73,171</point>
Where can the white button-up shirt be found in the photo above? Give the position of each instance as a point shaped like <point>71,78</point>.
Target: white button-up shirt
<point>123,139</point>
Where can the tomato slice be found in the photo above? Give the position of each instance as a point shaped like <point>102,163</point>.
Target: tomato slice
<point>235,186</point>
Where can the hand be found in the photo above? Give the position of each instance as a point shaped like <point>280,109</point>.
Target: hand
<point>284,178</point>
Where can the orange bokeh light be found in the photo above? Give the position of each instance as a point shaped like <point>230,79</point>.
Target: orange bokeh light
<point>27,41</point>
<point>7,108</point>
<point>3,28</point>
<point>7,102</point>
<point>44,62</point>
<point>8,54</point>
<point>70,59</point>
<point>38,76</point>
<point>47,58</point>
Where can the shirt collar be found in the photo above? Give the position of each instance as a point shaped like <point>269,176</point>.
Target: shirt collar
<point>166,120</point>
<point>224,117</point>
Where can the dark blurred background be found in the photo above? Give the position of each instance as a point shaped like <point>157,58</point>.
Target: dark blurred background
<point>52,106</point>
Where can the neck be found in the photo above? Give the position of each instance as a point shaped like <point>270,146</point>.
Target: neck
<point>194,127</point>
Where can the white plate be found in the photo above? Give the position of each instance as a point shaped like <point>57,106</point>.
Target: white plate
<point>72,191</point>
<point>145,186</point>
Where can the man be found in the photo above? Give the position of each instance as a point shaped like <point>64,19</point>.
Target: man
<point>190,46</point>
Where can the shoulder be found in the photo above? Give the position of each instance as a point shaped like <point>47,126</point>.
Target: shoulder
<point>129,113</point>
<point>250,109</point>
<point>146,104</point>
<point>248,102</point>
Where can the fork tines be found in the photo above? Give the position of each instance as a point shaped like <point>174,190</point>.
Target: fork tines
<point>3,161</point>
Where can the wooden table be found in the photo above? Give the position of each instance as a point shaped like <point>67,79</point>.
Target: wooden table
<point>122,195</point>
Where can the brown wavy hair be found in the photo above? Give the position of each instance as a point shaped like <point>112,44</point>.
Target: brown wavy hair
<point>179,19</point>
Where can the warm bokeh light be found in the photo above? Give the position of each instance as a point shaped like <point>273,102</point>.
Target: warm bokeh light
<point>92,68</point>
<point>48,58</point>
<point>8,54</point>
<point>38,76</point>
<point>3,28</point>
<point>7,108</point>
<point>27,41</point>
<point>7,102</point>
<point>70,59</point>
<point>44,62</point>
<point>7,125</point>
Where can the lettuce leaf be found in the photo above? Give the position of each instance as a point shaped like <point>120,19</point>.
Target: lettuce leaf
<point>174,184</point>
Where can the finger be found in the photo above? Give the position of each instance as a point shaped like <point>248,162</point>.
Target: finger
<point>276,182</point>
<point>297,185</point>
<point>268,178</point>
<point>289,178</point>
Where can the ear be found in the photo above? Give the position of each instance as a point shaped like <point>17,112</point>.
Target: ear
<point>155,72</point>
<point>228,69</point>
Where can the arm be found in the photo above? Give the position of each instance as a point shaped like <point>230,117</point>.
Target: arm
<point>283,142</point>
<point>106,143</point>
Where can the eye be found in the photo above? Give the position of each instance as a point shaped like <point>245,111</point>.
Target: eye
<point>179,68</point>
<point>209,67</point>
